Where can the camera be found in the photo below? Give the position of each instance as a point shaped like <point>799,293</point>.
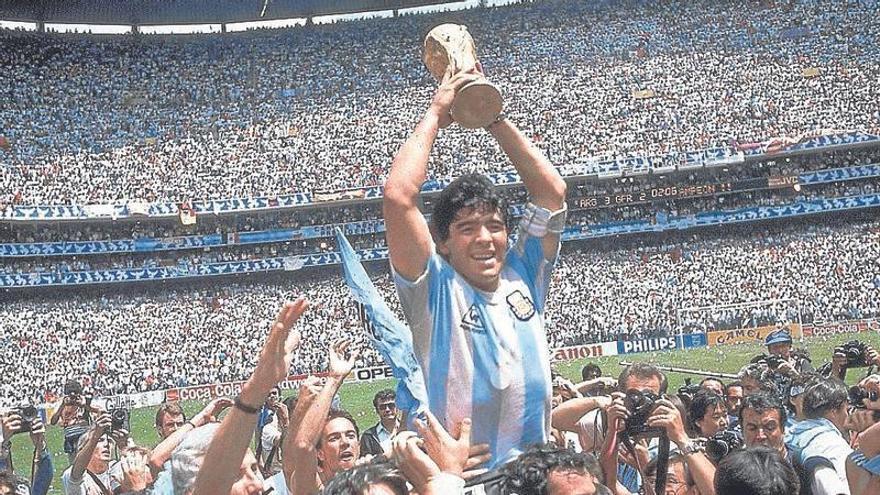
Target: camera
<point>723,443</point>
<point>772,361</point>
<point>857,396</point>
<point>687,391</point>
<point>640,406</point>
<point>29,415</point>
<point>855,352</point>
<point>119,419</point>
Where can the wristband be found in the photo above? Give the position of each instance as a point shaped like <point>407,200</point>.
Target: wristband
<point>538,221</point>
<point>190,422</point>
<point>241,406</point>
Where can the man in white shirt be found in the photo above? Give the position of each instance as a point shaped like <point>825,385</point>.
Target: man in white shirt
<point>90,472</point>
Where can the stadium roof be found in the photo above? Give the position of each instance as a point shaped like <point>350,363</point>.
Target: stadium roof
<point>190,11</point>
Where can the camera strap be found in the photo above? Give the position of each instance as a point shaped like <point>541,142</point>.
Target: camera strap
<point>662,464</point>
<point>662,460</point>
<point>101,485</point>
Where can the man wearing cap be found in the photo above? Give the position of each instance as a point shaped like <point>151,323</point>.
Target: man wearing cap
<point>779,343</point>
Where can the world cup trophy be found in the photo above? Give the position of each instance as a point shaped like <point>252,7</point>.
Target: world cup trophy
<point>449,47</point>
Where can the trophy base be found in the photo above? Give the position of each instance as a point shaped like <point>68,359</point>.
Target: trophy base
<point>476,105</point>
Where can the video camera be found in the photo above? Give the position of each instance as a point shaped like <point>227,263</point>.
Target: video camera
<point>640,406</point>
<point>29,415</point>
<point>856,353</point>
<point>723,443</point>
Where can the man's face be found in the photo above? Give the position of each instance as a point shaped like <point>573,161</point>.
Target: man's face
<point>570,482</point>
<point>734,399</point>
<point>713,421</point>
<point>676,480</point>
<point>104,450</point>
<point>763,428</point>
<point>386,409</point>
<point>170,423</point>
<point>339,446</point>
<point>274,395</point>
<point>781,349</point>
<point>476,247</point>
<point>250,481</point>
<point>650,384</point>
<point>713,385</point>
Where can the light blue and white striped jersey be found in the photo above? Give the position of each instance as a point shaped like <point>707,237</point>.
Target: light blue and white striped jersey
<point>485,355</point>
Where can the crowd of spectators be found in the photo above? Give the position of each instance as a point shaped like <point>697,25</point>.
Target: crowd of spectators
<point>103,119</point>
<point>172,338</point>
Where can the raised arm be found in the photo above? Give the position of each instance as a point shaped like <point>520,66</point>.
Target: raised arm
<point>308,432</point>
<point>407,234</point>
<point>542,180</point>
<point>309,391</point>
<point>84,456</point>
<point>222,463</point>
<point>566,415</point>
<point>162,452</point>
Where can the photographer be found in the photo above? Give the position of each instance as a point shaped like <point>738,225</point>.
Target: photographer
<point>74,416</point>
<point>42,470</point>
<point>90,472</point>
<point>818,444</point>
<point>271,427</point>
<point>779,343</point>
<point>853,354</point>
<point>863,465</point>
<point>689,463</point>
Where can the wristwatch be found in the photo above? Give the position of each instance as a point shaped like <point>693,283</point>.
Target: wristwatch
<point>690,447</point>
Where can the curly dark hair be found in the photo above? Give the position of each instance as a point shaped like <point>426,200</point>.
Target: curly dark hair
<point>359,479</point>
<point>467,191</point>
<point>762,402</point>
<point>529,473</point>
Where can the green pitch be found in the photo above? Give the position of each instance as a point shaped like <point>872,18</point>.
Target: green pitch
<point>357,398</point>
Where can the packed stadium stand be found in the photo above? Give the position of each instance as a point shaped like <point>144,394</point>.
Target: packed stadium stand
<point>707,146</point>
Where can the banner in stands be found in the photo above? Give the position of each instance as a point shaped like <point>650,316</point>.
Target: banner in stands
<point>647,345</point>
<point>838,327</point>
<point>756,334</point>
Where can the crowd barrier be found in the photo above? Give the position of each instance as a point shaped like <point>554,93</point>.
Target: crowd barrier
<point>589,167</point>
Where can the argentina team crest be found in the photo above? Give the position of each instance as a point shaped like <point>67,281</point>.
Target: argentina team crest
<point>523,307</point>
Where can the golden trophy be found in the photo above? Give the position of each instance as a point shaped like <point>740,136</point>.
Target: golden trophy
<point>449,47</point>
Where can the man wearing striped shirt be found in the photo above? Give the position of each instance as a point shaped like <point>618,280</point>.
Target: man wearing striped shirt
<point>475,306</point>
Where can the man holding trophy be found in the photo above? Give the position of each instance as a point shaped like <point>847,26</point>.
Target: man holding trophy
<point>474,305</point>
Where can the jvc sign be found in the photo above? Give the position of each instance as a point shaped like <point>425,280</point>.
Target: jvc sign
<point>646,345</point>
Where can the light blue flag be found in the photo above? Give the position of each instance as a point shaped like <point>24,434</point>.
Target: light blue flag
<point>389,335</point>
